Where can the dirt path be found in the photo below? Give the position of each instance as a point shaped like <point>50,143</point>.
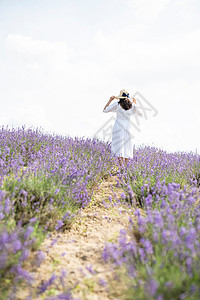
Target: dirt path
<point>79,250</point>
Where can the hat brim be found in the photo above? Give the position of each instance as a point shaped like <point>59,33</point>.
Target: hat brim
<point>120,97</point>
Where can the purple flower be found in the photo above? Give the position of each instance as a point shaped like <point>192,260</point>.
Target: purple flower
<point>44,285</point>
<point>4,238</point>
<point>102,282</point>
<point>21,273</point>
<point>64,296</point>
<point>24,255</point>
<point>147,245</point>
<point>183,231</point>
<point>24,193</point>
<point>54,242</point>
<point>57,191</point>
<point>17,245</point>
<point>67,215</point>
<point>40,256</point>
<point>7,207</point>
<point>169,284</point>
<point>33,220</point>
<point>59,224</point>
<point>123,196</point>
<point>3,260</point>
<point>1,216</point>
<point>151,287</point>
<point>28,232</point>
<point>90,269</point>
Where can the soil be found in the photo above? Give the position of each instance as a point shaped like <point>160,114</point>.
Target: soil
<point>78,251</point>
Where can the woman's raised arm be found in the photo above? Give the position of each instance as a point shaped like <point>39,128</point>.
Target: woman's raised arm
<point>109,101</point>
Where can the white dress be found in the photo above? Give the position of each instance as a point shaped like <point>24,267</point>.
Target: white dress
<point>122,138</point>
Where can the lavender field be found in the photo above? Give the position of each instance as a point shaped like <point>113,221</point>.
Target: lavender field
<point>162,259</point>
<point>46,179</point>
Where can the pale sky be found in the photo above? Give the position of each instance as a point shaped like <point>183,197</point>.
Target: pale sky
<point>61,60</point>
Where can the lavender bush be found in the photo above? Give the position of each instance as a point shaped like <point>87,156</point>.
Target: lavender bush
<point>150,168</point>
<point>44,180</point>
<point>162,258</point>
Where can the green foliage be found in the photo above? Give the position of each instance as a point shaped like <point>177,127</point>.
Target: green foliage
<point>38,196</point>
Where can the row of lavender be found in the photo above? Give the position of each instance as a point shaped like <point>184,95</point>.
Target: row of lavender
<point>162,258</point>
<point>44,180</point>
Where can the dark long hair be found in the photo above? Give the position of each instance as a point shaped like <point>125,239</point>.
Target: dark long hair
<point>125,103</point>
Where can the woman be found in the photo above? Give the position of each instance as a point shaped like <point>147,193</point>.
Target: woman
<point>122,139</point>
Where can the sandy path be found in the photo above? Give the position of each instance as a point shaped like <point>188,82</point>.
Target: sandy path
<point>79,250</point>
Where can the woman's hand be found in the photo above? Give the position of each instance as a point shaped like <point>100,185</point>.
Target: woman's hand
<point>134,100</point>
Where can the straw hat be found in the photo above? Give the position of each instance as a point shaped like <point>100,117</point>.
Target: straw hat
<point>123,94</point>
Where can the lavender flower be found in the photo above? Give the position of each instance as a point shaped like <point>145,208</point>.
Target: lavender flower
<point>90,269</point>
<point>28,232</point>
<point>59,224</point>
<point>44,285</point>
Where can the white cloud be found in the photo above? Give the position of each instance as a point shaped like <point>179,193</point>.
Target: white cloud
<point>148,9</point>
<point>152,10</point>
<point>184,8</point>
<point>34,53</point>
<point>29,115</point>
<point>146,60</point>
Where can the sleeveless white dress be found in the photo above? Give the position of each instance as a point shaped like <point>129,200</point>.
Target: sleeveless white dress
<point>122,137</point>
